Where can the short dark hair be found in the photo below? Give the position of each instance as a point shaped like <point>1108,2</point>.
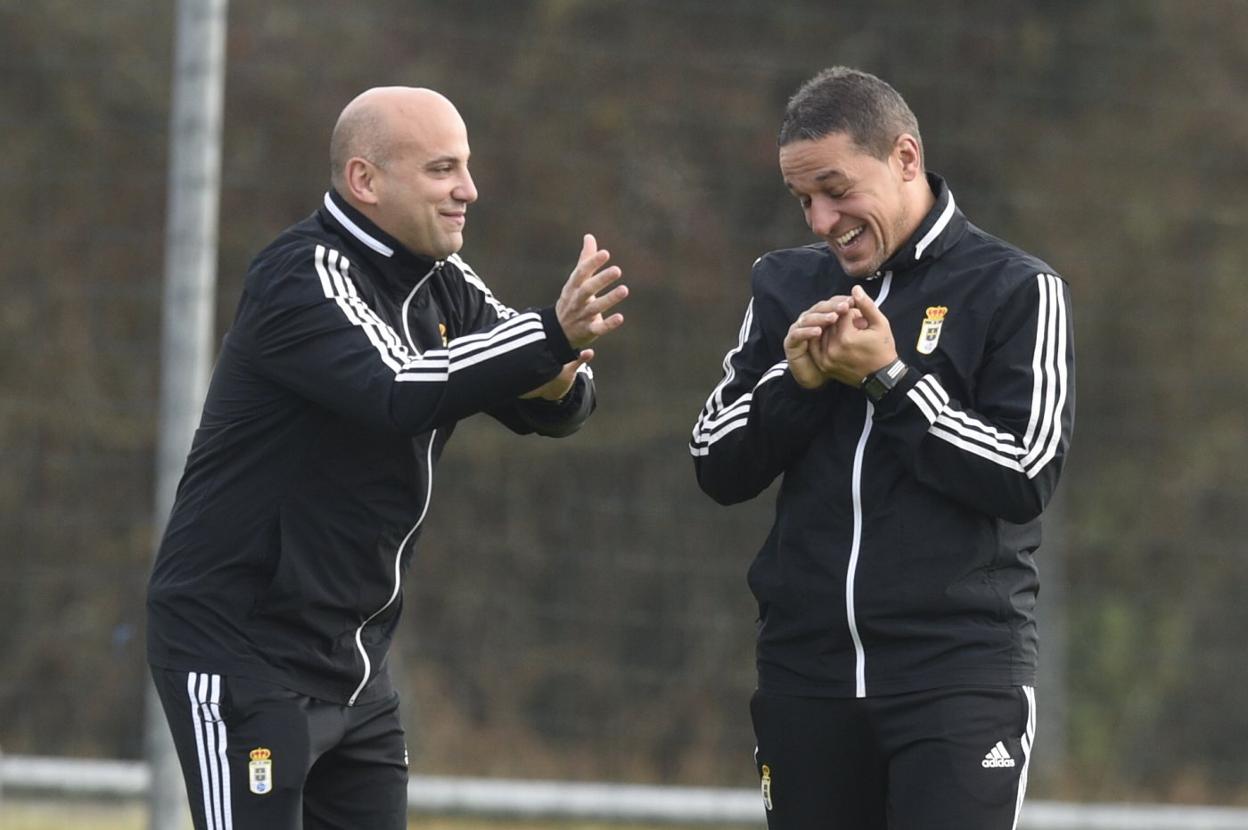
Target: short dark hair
<point>844,100</point>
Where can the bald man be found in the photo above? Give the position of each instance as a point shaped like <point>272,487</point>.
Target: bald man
<point>360,340</point>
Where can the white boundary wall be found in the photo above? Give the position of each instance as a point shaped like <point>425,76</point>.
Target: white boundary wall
<point>31,775</point>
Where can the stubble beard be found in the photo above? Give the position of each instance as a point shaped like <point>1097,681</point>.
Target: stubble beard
<point>883,254</point>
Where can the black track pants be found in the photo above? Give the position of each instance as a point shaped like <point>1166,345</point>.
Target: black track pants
<point>256,755</point>
<point>945,759</point>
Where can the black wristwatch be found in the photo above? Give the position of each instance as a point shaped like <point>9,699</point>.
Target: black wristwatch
<point>880,382</point>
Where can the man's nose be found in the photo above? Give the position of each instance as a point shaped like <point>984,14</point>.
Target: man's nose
<point>465,191</point>
<point>823,217</point>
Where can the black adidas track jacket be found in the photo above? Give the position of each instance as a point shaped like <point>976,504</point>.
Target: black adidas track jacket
<point>347,366</point>
<point>901,556</point>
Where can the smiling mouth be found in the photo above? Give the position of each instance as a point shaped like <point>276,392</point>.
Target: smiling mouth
<point>846,239</point>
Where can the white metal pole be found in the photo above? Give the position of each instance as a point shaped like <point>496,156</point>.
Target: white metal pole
<point>189,300</point>
<point>1052,682</point>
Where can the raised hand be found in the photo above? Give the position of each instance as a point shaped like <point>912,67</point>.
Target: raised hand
<point>802,341</point>
<point>580,309</point>
<point>858,344</point>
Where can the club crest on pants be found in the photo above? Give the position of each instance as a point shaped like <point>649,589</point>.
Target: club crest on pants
<point>767,786</point>
<point>260,771</point>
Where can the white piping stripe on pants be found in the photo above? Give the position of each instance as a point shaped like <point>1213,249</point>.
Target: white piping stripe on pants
<point>204,691</point>
<point>1029,735</point>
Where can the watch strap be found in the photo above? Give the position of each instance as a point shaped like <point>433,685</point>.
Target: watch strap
<point>880,382</point>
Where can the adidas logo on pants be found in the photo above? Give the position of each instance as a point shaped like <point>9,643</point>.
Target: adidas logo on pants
<point>997,757</point>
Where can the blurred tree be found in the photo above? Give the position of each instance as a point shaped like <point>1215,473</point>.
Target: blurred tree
<point>586,616</point>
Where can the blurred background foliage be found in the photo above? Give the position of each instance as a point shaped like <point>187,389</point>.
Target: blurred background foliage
<point>578,609</point>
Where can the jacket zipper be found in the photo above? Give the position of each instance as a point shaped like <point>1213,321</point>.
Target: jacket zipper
<point>398,554</point>
<point>860,654</point>
<point>407,328</point>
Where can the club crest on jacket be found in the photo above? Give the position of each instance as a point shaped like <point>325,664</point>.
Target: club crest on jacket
<point>929,334</point>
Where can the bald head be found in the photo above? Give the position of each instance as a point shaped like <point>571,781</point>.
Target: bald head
<point>373,125</point>
<point>399,155</point>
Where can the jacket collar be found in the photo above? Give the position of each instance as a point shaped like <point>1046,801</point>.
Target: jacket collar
<point>939,231</point>
<point>378,247</point>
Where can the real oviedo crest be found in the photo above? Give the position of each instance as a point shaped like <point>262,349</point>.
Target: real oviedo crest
<point>929,333</point>
<point>260,771</point>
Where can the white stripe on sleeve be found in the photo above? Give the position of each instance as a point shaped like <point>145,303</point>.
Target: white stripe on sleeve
<point>435,365</point>
<point>470,276</point>
<point>1043,435</point>
<point>718,419</point>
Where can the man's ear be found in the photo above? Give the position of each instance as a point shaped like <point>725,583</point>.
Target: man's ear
<point>360,176</point>
<point>909,155</point>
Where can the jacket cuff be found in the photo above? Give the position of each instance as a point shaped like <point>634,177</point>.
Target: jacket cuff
<point>793,409</point>
<point>897,398</point>
<point>557,419</point>
<point>915,392</point>
<point>556,339</point>
<point>789,386</point>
